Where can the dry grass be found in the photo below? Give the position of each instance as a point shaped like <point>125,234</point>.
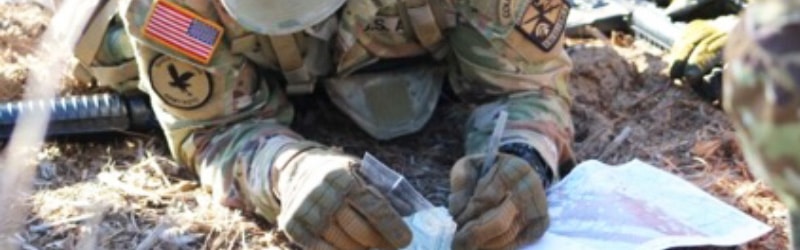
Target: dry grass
<point>20,26</point>
<point>123,192</point>
<point>137,193</point>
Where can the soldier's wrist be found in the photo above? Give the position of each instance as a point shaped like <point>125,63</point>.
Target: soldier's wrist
<point>530,155</point>
<point>286,158</point>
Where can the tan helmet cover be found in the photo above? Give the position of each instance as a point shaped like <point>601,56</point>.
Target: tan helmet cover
<point>280,17</point>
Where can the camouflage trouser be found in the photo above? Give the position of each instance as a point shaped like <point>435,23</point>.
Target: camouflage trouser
<point>222,114</point>
<point>762,96</point>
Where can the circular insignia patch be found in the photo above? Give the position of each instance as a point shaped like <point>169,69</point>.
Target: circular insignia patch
<point>179,84</point>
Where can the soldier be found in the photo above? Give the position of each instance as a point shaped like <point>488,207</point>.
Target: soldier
<point>761,94</point>
<point>217,72</point>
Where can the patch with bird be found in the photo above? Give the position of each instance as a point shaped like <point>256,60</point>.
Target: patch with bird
<point>179,84</point>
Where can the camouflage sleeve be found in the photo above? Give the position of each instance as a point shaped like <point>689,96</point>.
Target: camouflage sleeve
<point>761,95</point>
<point>510,54</point>
<point>223,117</point>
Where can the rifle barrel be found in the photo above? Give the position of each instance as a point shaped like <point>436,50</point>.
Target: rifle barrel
<point>652,24</point>
<point>83,114</point>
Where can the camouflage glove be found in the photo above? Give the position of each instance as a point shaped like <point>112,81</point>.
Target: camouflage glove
<point>500,209</point>
<point>696,57</point>
<point>325,205</point>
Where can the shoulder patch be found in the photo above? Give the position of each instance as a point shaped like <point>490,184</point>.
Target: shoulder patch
<point>179,84</point>
<point>182,30</point>
<point>544,21</point>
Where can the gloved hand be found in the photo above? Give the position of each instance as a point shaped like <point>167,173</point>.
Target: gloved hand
<point>326,205</point>
<point>696,57</point>
<point>500,209</point>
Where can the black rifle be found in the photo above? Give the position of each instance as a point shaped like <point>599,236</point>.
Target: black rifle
<point>97,113</point>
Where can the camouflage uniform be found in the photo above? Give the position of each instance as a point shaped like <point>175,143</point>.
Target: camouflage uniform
<point>382,62</point>
<point>762,96</point>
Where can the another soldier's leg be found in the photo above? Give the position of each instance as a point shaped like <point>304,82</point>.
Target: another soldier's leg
<point>509,56</point>
<point>762,96</point>
<point>104,52</point>
<point>227,121</point>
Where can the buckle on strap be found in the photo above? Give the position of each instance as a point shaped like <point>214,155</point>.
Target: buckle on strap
<point>428,20</point>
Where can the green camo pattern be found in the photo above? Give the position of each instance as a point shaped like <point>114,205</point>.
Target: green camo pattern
<point>762,96</point>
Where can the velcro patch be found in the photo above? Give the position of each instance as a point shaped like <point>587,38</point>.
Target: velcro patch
<point>544,21</point>
<point>178,84</point>
<point>182,30</point>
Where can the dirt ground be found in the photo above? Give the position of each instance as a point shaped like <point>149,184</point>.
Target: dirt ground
<point>124,192</point>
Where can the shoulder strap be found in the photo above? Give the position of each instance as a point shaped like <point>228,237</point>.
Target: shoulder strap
<point>428,20</point>
<point>290,59</point>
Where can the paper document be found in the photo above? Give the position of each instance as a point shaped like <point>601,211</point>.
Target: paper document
<point>638,206</point>
<point>597,206</point>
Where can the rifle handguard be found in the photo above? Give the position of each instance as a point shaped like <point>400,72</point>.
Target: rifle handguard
<point>83,114</point>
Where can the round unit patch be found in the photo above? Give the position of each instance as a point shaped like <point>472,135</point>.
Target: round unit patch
<point>179,84</point>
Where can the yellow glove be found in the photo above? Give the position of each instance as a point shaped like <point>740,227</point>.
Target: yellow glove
<point>326,205</point>
<point>697,51</point>
<point>502,209</point>
<point>696,57</point>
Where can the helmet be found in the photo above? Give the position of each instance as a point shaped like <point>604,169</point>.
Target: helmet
<point>280,17</point>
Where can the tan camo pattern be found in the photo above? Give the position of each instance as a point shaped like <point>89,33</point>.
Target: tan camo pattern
<point>491,63</point>
<point>762,96</point>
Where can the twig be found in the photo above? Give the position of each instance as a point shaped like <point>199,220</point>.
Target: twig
<point>626,132</point>
<point>105,241</point>
<point>152,238</point>
<point>133,221</point>
<point>669,164</point>
<point>702,161</point>
<point>235,235</point>
<point>89,241</point>
<point>47,226</point>
<point>177,238</point>
<point>173,191</point>
<point>111,180</point>
<point>647,96</point>
<point>244,238</point>
<point>22,242</point>
<point>153,164</point>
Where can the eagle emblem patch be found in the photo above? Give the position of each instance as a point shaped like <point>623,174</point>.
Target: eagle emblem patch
<point>179,84</point>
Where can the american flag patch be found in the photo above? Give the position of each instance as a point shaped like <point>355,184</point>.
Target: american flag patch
<point>182,30</point>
